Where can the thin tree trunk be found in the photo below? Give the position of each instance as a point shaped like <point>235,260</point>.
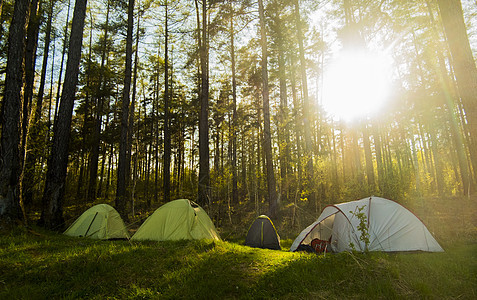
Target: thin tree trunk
<point>267,139</point>
<point>297,117</point>
<point>234,109</point>
<point>99,101</point>
<point>53,196</point>
<point>131,114</point>
<point>121,196</point>
<point>80,193</point>
<point>369,160</point>
<point>30,60</point>
<point>307,108</point>
<point>35,137</point>
<point>379,156</point>
<point>284,140</point>
<point>167,134</point>
<point>204,170</point>
<point>63,53</point>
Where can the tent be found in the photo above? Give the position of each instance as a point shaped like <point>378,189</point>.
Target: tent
<point>390,226</point>
<point>101,221</point>
<point>177,220</point>
<point>262,234</point>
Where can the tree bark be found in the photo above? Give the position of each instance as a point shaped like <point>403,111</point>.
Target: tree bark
<point>307,108</point>
<point>283,132</point>
<point>267,139</point>
<point>34,134</point>
<point>53,196</point>
<point>167,134</point>
<point>30,60</point>
<point>121,196</point>
<point>204,170</point>
<point>11,159</point>
<point>63,52</point>
<point>131,114</point>
<point>234,108</point>
<point>98,99</point>
<point>464,67</point>
<point>369,160</point>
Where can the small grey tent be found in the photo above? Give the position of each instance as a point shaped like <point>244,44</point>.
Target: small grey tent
<point>262,234</point>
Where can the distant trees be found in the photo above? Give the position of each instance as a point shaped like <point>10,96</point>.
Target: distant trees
<point>223,105</point>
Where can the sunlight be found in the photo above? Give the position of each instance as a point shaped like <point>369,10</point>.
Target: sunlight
<point>356,85</point>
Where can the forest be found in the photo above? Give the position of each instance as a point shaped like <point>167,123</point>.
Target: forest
<point>275,107</point>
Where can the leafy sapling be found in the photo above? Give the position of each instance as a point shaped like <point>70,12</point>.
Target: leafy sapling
<point>362,227</point>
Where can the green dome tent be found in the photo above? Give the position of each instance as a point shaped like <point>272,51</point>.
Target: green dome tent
<point>262,234</point>
<point>177,220</point>
<point>101,221</point>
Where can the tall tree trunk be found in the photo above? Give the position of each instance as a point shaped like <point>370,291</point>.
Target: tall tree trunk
<point>297,117</point>
<point>267,139</point>
<point>11,117</point>
<point>437,159</point>
<point>464,66</point>
<point>204,171</point>
<point>369,160</point>
<point>63,53</point>
<point>99,101</point>
<point>80,193</point>
<point>53,196</point>
<point>307,108</point>
<point>131,112</point>
<point>284,139</point>
<point>379,156</point>
<point>1,22</point>
<point>123,143</point>
<point>30,60</point>
<point>50,98</point>
<point>35,137</point>
<point>167,134</point>
<point>234,108</point>
<point>456,133</point>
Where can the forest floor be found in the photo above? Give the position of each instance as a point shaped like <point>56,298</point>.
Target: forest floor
<point>38,264</point>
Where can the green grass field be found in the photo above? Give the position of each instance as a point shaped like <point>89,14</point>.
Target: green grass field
<point>36,264</point>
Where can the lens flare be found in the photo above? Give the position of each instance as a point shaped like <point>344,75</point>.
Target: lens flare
<point>356,85</point>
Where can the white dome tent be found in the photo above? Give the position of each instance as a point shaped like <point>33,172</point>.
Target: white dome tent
<point>391,227</point>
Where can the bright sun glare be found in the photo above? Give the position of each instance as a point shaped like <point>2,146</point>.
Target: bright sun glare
<point>356,85</point>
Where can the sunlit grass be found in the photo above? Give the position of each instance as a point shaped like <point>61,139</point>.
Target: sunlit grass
<point>47,266</point>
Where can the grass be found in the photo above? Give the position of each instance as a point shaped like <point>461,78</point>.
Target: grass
<point>52,266</point>
<point>37,264</point>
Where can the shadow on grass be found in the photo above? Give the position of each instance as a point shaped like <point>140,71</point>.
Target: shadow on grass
<point>55,266</point>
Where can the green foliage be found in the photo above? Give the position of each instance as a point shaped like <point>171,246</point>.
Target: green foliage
<point>362,227</point>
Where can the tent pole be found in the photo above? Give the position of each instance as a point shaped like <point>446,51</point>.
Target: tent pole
<point>86,233</point>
